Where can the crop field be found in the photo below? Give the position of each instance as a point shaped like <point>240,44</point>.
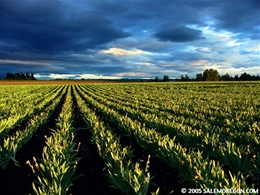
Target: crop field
<point>129,138</point>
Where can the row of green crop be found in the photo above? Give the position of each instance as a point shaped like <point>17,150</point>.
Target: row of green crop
<point>19,97</point>
<point>21,108</point>
<point>11,144</point>
<point>215,145</point>
<point>56,170</point>
<point>187,119</point>
<point>124,174</point>
<point>228,143</point>
<point>196,169</point>
<point>177,98</point>
<point>227,111</point>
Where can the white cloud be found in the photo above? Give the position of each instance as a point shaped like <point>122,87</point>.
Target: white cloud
<point>202,49</point>
<point>205,63</point>
<point>74,76</point>
<point>23,62</point>
<point>122,52</point>
<point>131,74</point>
<point>234,43</point>
<point>144,64</point>
<point>94,76</point>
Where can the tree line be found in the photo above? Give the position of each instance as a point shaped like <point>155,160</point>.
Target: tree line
<point>213,75</point>
<point>165,78</point>
<point>20,76</point>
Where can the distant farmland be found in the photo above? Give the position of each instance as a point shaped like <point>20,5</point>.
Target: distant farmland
<point>79,137</point>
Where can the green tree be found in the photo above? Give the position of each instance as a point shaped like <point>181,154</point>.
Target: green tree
<point>210,75</point>
<point>166,78</point>
<point>226,77</point>
<point>156,79</point>
<point>185,78</point>
<point>20,76</point>
<point>245,77</point>
<point>199,77</point>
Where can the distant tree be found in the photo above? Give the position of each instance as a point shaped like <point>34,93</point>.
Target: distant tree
<point>32,76</point>
<point>255,78</point>
<point>226,77</point>
<point>210,75</point>
<point>236,78</point>
<point>20,76</point>
<point>199,77</point>
<point>185,78</point>
<point>245,77</point>
<point>9,75</point>
<point>23,76</point>
<point>17,76</point>
<point>156,79</point>
<point>166,78</point>
<point>213,75</point>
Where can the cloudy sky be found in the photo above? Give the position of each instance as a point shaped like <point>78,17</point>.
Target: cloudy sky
<point>129,39</point>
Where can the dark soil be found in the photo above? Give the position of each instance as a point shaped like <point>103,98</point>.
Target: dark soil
<point>18,179</point>
<point>90,167</point>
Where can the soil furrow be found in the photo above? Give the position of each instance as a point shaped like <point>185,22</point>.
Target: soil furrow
<point>91,166</point>
<point>157,168</point>
<point>18,179</point>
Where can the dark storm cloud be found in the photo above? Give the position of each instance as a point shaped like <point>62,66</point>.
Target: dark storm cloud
<point>29,68</point>
<point>109,70</point>
<point>66,37</point>
<point>178,34</point>
<point>53,27</point>
<point>239,17</point>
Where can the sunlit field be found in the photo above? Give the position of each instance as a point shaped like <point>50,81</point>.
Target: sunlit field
<point>86,137</point>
